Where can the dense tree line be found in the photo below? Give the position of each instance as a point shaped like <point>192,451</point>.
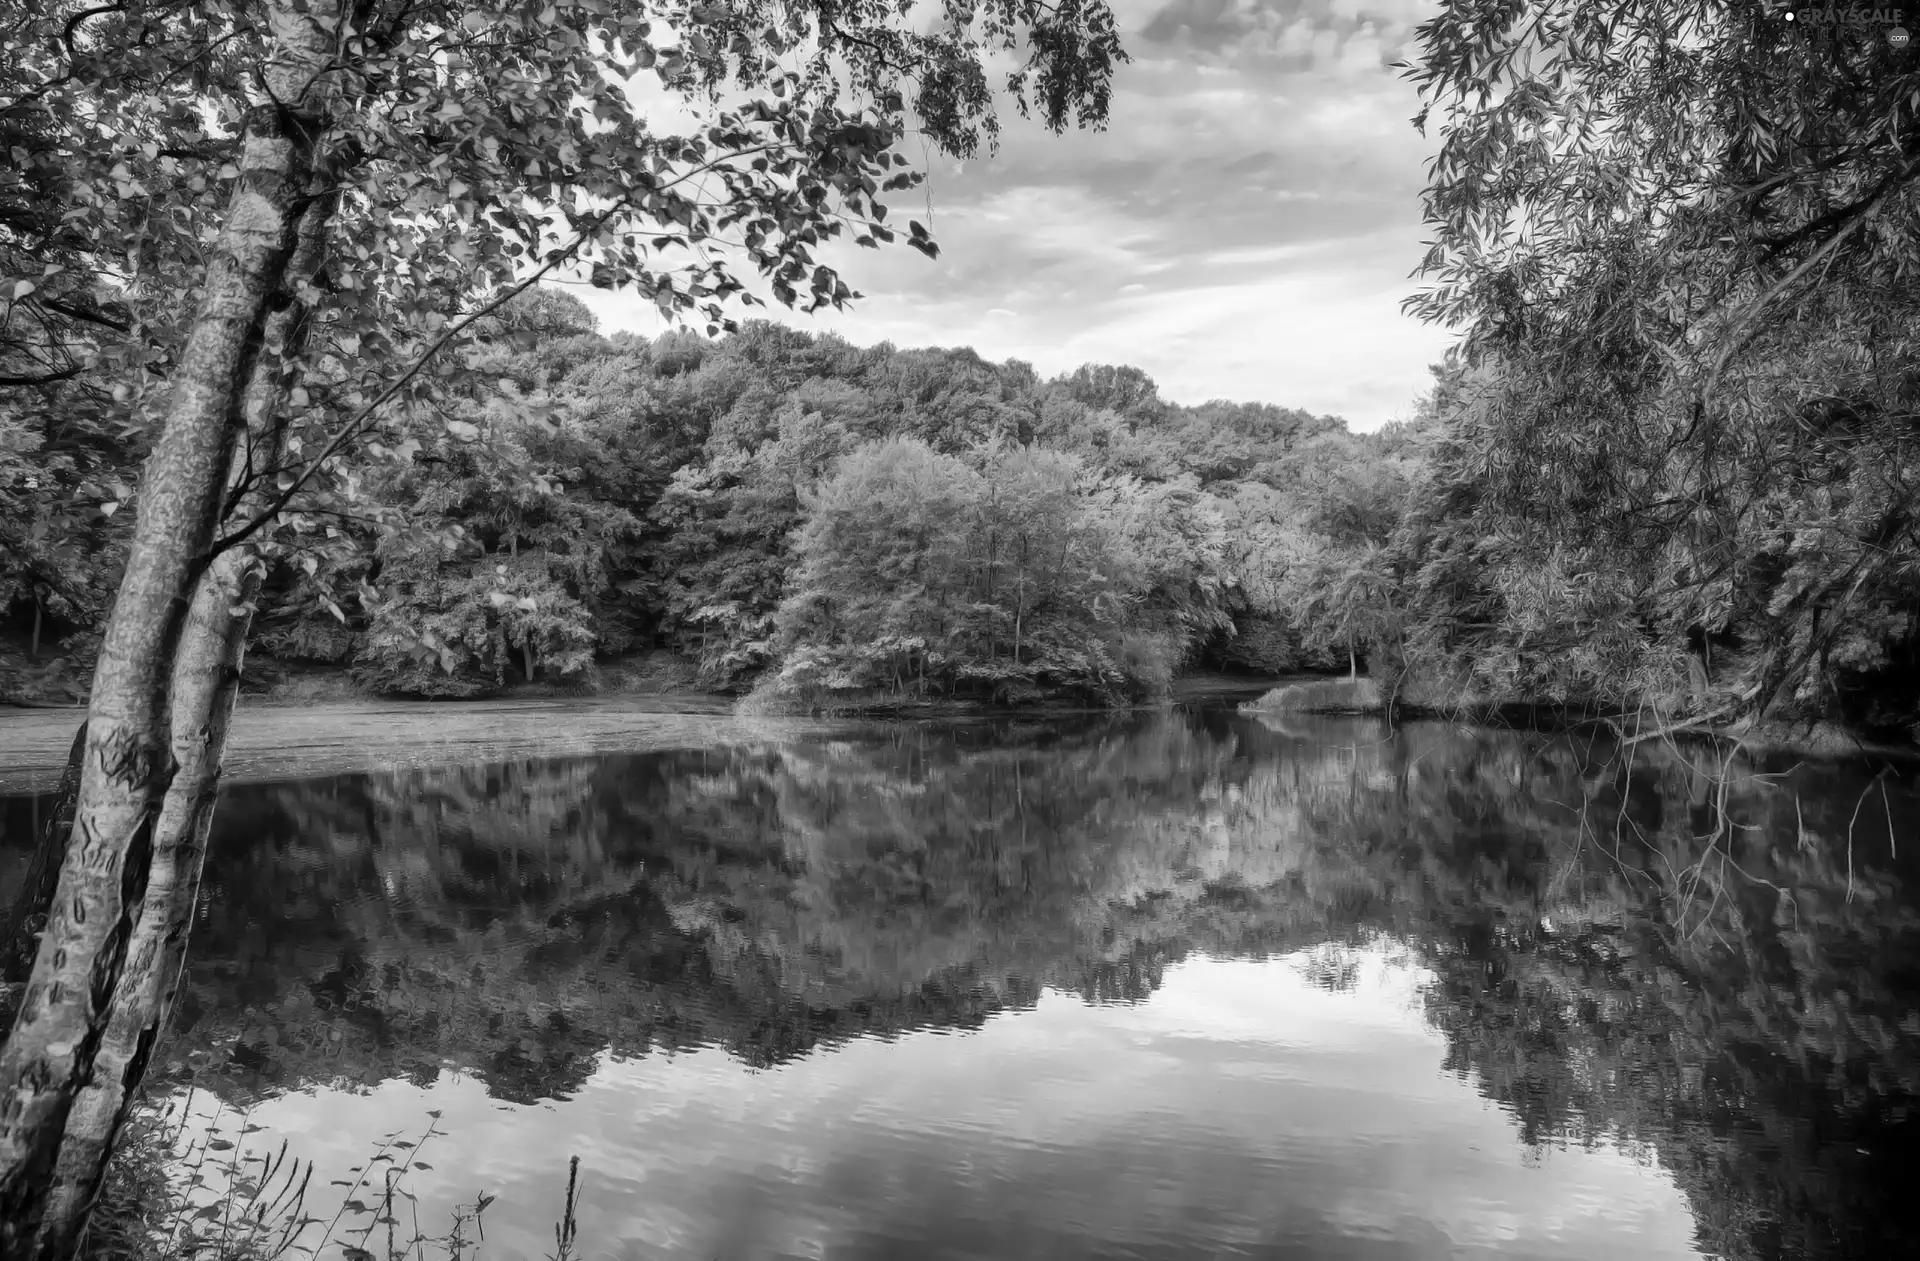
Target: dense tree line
<point>1668,472</point>
<point>832,523</point>
<point>835,525</point>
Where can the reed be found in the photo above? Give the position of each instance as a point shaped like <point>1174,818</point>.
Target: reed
<point>178,1192</point>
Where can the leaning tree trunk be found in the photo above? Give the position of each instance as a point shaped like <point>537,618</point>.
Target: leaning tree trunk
<point>206,681</point>
<point>64,1017</point>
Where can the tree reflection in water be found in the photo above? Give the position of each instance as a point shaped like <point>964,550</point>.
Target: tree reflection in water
<point>1717,959</point>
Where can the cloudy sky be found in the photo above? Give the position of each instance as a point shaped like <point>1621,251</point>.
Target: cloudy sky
<point>1244,229</point>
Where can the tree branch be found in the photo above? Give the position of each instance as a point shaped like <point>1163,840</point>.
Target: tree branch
<point>353,428</point>
<point>48,378</point>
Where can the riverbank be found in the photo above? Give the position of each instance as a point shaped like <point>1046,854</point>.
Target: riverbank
<point>292,741</point>
<point>287,739</point>
<point>61,682</point>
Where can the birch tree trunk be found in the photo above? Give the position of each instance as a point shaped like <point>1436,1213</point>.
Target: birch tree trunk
<point>68,1010</point>
<point>205,683</point>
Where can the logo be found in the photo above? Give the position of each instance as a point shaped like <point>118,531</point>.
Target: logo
<point>1881,21</point>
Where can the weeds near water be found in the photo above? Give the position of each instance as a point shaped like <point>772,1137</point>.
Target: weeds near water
<point>170,1197</point>
<point>566,1229</point>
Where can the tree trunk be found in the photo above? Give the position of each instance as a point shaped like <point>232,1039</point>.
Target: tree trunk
<point>205,679</point>
<point>205,684</point>
<point>68,1007</point>
<point>33,646</point>
<point>526,657</point>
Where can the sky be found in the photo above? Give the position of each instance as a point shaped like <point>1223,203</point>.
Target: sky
<point>1245,228</point>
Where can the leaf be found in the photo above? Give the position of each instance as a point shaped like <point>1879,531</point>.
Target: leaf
<point>463,431</point>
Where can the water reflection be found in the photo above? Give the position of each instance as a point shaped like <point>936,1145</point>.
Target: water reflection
<point>1232,988</point>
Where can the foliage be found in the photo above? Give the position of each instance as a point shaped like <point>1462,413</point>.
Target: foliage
<point>1680,460</point>
<point>671,487</point>
<point>919,571</point>
<point>456,629</point>
<point>473,149</point>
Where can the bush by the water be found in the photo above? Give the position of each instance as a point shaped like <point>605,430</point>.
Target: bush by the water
<point>1323,696</point>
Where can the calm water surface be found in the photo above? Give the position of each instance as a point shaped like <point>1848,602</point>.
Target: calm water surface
<point>1166,986</point>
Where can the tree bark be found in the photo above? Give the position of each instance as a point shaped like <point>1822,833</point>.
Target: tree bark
<point>67,1009</point>
<point>204,682</point>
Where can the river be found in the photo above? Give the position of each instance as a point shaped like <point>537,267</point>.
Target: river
<point>1184,984</point>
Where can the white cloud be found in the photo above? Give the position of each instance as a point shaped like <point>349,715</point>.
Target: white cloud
<point>1244,228</point>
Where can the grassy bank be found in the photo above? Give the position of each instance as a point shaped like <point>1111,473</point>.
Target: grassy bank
<point>50,682</point>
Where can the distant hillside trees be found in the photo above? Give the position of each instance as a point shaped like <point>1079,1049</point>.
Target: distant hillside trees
<point>827,523</point>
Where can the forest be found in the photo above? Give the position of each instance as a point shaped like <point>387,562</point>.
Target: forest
<point>829,523</point>
<point>1666,474</point>
<point>820,525</point>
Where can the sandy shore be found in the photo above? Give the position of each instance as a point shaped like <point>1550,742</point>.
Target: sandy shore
<point>287,742</point>
<point>291,741</point>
